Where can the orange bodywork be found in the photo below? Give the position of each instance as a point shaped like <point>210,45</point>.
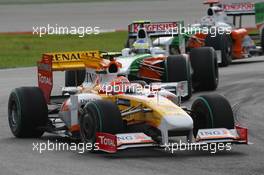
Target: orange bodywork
<point>197,40</point>
<point>151,68</point>
<point>75,128</point>
<point>237,37</point>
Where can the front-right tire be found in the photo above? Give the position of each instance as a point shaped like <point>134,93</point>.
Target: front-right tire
<point>211,111</point>
<point>99,116</point>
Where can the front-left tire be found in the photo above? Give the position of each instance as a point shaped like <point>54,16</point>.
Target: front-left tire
<point>27,112</point>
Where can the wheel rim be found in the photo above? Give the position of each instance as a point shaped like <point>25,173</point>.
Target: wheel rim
<point>229,53</point>
<point>87,129</point>
<point>13,117</point>
<point>216,74</point>
<point>201,117</point>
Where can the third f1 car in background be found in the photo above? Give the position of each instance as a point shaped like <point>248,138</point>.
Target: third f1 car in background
<point>230,39</point>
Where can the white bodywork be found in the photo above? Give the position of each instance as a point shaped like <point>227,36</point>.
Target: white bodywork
<point>69,109</point>
<point>218,20</point>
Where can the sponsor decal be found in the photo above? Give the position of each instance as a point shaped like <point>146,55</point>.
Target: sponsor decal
<point>125,137</point>
<point>44,79</point>
<point>215,134</point>
<point>84,101</point>
<point>73,56</point>
<point>66,57</point>
<point>212,132</point>
<point>106,142</point>
<point>154,27</point>
<point>243,7</point>
<point>133,138</point>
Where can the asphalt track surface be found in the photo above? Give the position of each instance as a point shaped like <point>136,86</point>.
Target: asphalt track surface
<point>241,83</point>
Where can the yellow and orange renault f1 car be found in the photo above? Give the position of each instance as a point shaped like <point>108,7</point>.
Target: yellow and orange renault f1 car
<point>112,113</point>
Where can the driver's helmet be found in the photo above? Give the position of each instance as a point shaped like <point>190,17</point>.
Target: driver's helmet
<point>141,46</point>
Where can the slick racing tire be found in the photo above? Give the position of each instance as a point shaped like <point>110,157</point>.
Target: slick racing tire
<point>27,111</point>
<point>224,44</point>
<point>205,69</point>
<point>74,77</point>
<point>178,68</point>
<point>99,116</point>
<point>212,111</point>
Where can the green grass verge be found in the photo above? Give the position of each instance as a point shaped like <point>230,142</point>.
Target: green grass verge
<point>25,50</point>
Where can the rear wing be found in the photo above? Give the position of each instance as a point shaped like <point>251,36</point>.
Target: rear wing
<point>157,29</point>
<point>211,2</point>
<point>65,61</point>
<point>238,8</point>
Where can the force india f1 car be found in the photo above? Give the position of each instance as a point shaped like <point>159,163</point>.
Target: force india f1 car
<point>150,56</point>
<point>229,39</point>
<point>117,118</point>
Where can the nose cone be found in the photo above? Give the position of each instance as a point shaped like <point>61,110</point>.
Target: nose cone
<point>177,123</point>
